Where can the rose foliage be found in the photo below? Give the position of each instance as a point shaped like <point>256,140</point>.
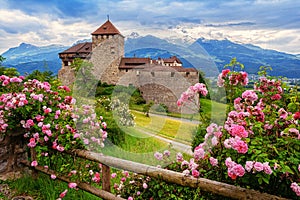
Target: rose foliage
<point>52,123</point>
<point>258,146</point>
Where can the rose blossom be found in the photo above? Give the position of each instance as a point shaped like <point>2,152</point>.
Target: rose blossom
<point>267,168</point>
<point>113,175</point>
<point>258,166</point>
<point>72,185</point>
<point>295,187</point>
<point>249,166</point>
<point>145,186</point>
<point>237,130</point>
<point>63,194</point>
<point>250,95</point>
<point>34,163</point>
<point>186,172</point>
<point>195,173</point>
<point>158,156</point>
<point>213,161</point>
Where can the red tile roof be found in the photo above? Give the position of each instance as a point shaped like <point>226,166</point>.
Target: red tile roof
<point>129,63</point>
<point>171,60</point>
<point>144,63</point>
<point>182,69</point>
<point>106,29</point>
<point>85,47</point>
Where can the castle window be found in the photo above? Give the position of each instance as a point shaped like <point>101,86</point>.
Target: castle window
<point>66,63</point>
<point>187,73</point>
<point>137,73</point>
<point>112,50</point>
<point>152,73</point>
<point>126,70</point>
<point>172,74</point>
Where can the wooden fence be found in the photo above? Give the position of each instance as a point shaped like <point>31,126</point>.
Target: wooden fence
<point>215,187</point>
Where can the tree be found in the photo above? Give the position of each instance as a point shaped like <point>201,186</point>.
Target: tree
<point>2,68</point>
<point>11,72</point>
<point>86,82</point>
<point>146,108</point>
<point>46,76</point>
<point>1,60</point>
<point>7,71</point>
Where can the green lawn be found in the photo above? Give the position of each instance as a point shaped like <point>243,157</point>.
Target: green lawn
<point>213,109</point>
<point>43,188</point>
<point>166,127</point>
<point>137,147</point>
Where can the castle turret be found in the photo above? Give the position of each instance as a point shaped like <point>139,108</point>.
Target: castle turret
<point>107,51</point>
<point>104,32</point>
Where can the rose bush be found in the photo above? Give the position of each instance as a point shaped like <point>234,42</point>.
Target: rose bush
<point>258,144</point>
<point>51,120</point>
<point>256,147</point>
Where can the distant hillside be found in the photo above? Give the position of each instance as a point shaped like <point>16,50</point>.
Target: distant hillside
<point>252,57</point>
<point>207,55</point>
<point>27,58</point>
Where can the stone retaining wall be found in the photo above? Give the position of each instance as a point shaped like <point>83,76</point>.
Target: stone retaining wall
<point>12,151</point>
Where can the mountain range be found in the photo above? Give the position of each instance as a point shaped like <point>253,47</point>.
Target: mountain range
<point>209,56</point>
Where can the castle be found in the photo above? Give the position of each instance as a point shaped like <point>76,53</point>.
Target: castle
<point>160,80</point>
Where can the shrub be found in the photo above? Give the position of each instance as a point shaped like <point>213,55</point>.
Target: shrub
<point>258,145</point>
<point>52,124</point>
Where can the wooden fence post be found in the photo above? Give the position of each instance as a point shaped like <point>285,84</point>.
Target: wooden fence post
<point>106,178</point>
<point>33,157</point>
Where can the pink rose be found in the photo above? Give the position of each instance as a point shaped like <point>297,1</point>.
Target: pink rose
<point>63,194</point>
<point>72,185</point>
<point>34,163</point>
<point>249,166</point>
<point>213,161</point>
<point>195,173</point>
<point>53,176</point>
<point>258,166</point>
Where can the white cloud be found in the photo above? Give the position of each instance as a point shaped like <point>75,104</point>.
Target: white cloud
<point>18,27</point>
<point>267,23</point>
<point>268,38</point>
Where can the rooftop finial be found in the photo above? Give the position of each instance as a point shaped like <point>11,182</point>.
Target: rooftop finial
<point>107,17</point>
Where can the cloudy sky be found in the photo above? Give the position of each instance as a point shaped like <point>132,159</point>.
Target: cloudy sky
<point>271,24</point>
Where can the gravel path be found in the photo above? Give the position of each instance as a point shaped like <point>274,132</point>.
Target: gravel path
<point>183,148</point>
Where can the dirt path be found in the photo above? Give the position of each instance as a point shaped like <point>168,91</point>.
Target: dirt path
<point>173,118</point>
<point>183,148</point>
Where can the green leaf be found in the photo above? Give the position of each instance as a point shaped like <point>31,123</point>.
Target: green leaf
<point>266,179</point>
<point>260,180</point>
<point>286,168</point>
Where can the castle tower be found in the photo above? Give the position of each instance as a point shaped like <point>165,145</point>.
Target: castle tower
<point>107,52</point>
<point>106,32</point>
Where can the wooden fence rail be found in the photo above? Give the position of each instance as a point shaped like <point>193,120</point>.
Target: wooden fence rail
<point>223,189</point>
<point>215,187</point>
<point>84,186</point>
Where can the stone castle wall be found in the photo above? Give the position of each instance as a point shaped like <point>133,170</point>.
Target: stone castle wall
<point>66,75</point>
<point>161,87</point>
<point>12,152</point>
<point>106,58</point>
<point>165,87</point>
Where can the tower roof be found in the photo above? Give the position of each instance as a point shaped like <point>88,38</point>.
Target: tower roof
<point>106,29</point>
<point>85,47</point>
